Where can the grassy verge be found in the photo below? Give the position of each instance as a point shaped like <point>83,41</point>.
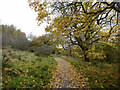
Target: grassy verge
<point>100,75</point>
<point>22,69</point>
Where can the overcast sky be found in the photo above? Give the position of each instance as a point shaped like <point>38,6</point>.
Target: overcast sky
<point>19,14</point>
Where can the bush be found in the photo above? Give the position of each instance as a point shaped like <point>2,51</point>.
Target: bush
<point>45,50</point>
<point>110,50</point>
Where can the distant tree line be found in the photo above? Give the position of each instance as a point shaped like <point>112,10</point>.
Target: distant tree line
<point>13,38</point>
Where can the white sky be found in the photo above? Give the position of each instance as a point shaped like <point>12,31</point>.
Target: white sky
<point>19,14</point>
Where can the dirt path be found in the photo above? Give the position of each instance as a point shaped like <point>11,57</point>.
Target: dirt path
<point>66,76</point>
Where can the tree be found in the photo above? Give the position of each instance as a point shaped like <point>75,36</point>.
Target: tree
<point>7,37</point>
<point>21,42</point>
<point>101,10</point>
<point>83,23</point>
<point>44,45</point>
<point>14,38</point>
<point>30,36</point>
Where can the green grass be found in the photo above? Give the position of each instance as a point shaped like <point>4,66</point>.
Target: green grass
<point>22,69</point>
<point>99,74</point>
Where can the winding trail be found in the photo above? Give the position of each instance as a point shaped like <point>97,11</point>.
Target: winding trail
<point>66,76</point>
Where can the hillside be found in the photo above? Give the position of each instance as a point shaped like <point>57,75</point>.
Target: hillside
<point>22,69</point>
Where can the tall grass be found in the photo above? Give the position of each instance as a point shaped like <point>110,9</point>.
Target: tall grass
<point>22,69</point>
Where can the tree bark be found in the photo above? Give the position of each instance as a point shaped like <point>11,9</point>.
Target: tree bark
<point>70,52</point>
<point>85,56</point>
<point>84,50</point>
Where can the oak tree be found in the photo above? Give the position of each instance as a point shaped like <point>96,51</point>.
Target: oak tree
<point>83,23</point>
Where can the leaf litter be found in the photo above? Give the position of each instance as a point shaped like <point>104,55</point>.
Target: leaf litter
<point>66,76</point>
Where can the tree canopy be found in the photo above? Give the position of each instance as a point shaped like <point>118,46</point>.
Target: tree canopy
<point>82,23</point>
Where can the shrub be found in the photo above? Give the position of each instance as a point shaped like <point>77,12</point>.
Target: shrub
<point>45,50</point>
<point>110,50</point>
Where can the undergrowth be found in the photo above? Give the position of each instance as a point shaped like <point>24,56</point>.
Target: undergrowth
<point>22,69</point>
<point>98,74</point>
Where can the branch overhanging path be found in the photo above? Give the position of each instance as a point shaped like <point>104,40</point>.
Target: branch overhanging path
<point>66,76</point>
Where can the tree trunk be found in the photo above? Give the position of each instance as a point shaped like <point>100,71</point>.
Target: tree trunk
<point>84,50</point>
<point>70,52</point>
<point>85,57</point>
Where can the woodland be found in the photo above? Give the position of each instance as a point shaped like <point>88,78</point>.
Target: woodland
<point>81,47</point>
